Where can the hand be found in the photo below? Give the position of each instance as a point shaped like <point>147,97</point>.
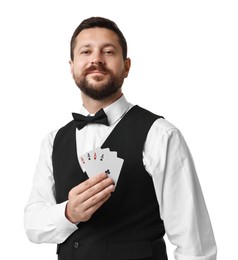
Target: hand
<point>87,197</point>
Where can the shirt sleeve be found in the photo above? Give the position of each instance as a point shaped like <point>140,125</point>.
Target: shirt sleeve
<point>182,207</point>
<point>44,220</point>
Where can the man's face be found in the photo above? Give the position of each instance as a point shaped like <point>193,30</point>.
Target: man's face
<point>98,67</point>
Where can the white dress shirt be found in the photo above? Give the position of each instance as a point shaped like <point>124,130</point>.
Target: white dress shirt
<point>166,158</point>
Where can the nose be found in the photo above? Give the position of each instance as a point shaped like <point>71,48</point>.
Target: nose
<point>97,58</point>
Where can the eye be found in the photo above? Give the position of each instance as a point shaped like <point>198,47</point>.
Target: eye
<point>108,52</point>
<point>85,52</point>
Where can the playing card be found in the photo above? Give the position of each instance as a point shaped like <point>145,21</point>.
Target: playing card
<point>98,154</point>
<point>114,168</point>
<point>101,160</point>
<point>97,161</point>
<point>92,157</point>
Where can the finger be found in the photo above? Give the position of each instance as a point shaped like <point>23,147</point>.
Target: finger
<point>78,211</point>
<point>100,196</point>
<point>98,190</point>
<point>93,195</point>
<point>87,184</point>
<point>91,210</point>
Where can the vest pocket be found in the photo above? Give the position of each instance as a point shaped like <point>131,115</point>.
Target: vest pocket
<point>136,250</point>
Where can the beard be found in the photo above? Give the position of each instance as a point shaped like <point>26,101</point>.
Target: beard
<point>110,87</point>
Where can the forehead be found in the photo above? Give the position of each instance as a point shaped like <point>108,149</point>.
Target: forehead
<point>97,36</point>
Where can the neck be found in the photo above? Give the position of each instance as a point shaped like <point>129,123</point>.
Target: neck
<point>93,105</point>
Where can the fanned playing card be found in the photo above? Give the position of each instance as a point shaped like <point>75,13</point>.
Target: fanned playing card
<point>101,160</point>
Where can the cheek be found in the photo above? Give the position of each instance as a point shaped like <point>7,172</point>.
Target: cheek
<point>77,68</point>
<point>124,72</point>
<point>118,68</point>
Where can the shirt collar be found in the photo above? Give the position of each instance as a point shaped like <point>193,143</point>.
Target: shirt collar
<point>114,111</point>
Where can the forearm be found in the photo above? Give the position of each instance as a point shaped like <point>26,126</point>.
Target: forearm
<point>46,223</point>
<point>44,219</point>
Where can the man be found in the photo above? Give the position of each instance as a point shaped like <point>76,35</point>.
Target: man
<point>157,190</point>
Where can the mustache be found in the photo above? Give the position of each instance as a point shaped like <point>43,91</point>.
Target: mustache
<point>100,67</point>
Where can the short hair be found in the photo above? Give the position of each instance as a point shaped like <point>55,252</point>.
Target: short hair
<point>101,23</point>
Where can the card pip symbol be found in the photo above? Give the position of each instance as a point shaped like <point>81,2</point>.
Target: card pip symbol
<point>107,171</point>
<point>82,159</point>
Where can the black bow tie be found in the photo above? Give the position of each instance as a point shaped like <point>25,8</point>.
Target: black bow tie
<point>99,118</point>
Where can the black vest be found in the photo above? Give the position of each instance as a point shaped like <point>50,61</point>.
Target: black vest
<point>128,225</point>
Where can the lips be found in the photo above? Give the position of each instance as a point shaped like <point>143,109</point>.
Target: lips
<point>96,72</point>
<point>93,69</point>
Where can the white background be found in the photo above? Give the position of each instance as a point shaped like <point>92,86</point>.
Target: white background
<point>184,67</point>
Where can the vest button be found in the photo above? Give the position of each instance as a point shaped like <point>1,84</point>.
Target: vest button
<point>76,244</point>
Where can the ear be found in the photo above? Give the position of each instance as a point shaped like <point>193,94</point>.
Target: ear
<point>127,66</point>
<point>71,63</point>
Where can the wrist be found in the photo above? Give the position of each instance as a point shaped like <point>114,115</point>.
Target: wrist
<point>69,217</point>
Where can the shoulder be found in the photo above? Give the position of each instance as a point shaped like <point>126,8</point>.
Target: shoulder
<point>69,126</point>
<point>164,131</point>
<point>48,140</point>
<point>163,126</point>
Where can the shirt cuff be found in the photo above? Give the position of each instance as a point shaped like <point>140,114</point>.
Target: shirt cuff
<point>63,226</point>
<point>212,256</point>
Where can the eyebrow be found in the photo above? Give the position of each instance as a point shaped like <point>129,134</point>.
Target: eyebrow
<point>103,46</point>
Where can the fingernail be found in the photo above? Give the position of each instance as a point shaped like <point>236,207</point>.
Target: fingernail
<point>111,187</point>
<point>104,175</point>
